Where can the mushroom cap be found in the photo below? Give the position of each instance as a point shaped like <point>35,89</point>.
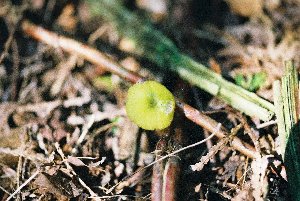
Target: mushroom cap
<point>150,105</point>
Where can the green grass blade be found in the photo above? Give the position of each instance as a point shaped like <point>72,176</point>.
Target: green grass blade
<point>286,104</point>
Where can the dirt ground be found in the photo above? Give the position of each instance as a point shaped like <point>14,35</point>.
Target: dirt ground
<point>64,132</point>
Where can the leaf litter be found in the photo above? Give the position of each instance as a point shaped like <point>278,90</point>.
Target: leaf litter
<point>62,136</point>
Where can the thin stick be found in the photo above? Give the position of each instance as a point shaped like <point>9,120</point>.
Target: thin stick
<point>157,175</point>
<point>171,179</point>
<point>19,169</point>
<point>3,189</point>
<point>185,148</point>
<point>208,123</point>
<point>268,123</point>
<point>23,185</point>
<point>74,47</point>
<point>69,167</point>
<point>12,31</point>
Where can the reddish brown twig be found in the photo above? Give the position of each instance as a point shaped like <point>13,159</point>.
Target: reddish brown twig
<point>170,179</point>
<point>211,125</point>
<point>157,176</point>
<point>74,47</point>
<point>94,56</point>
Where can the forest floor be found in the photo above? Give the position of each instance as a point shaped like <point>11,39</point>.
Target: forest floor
<point>64,132</point>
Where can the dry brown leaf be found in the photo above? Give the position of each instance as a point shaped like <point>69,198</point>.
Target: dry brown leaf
<point>5,110</point>
<point>231,166</point>
<point>75,161</point>
<point>67,19</point>
<point>44,186</point>
<point>61,183</point>
<point>246,8</point>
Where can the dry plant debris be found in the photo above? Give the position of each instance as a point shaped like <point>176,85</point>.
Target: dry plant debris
<point>64,132</point>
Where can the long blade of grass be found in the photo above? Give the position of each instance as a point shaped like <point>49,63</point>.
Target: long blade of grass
<point>286,104</point>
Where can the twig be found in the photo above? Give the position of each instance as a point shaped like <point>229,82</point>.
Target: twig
<point>15,74</point>
<point>210,124</point>
<point>170,179</point>
<point>204,159</point>
<point>87,125</point>
<point>157,175</point>
<point>3,189</point>
<point>96,34</point>
<point>64,69</point>
<point>12,31</point>
<point>209,145</point>
<point>74,47</point>
<point>35,158</point>
<point>69,167</point>
<point>268,123</point>
<point>116,197</point>
<point>19,170</point>
<point>245,171</point>
<point>23,185</point>
<point>253,134</point>
<point>132,180</point>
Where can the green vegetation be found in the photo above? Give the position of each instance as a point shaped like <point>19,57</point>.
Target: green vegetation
<point>286,98</point>
<point>251,82</point>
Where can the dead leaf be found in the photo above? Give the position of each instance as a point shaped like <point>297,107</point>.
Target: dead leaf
<point>231,166</point>
<point>246,8</point>
<point>44,186</point>
<point>67,19</point>
<point>59,184</point>
<point>5,110</point>
<point>75,161</point>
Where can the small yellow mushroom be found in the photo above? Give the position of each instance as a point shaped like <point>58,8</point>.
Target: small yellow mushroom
<point>150,105</point>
